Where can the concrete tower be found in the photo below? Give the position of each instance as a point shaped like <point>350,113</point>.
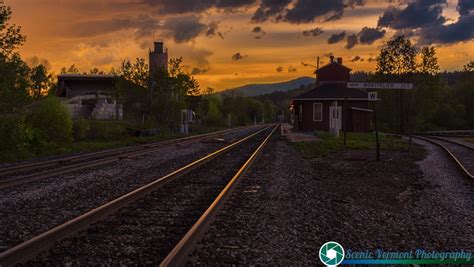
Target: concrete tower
<point>158,58</point>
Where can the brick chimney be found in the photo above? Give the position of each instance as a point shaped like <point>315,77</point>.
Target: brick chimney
<point>339,60</point>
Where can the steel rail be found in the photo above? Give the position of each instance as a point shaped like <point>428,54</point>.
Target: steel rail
<point>4,183</point>
<point>441,138</point>
<point>451,154</point>
<point>48,163</point>
<point>180,253</point>
<point>30,248</point>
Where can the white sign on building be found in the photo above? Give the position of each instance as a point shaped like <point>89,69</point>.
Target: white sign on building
<point>372,96</point>
<point>366,85</point>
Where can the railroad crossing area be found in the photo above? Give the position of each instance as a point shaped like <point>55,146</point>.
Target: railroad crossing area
<point>254,195</point>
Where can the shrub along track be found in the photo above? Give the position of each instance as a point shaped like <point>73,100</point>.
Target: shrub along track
<point>158,215</point>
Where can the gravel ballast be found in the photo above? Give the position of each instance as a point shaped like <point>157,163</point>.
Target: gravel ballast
<point>146,231</point>
<point>29,209</point>
<point>286,207</point>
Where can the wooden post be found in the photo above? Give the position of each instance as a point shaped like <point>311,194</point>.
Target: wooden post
<point>401,112</point>
<point>344,125</point>
<point>377,145</point>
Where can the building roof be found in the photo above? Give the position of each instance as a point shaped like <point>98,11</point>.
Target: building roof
<point>332,64</point>
<point>88,77</point>
<point>329,91</point>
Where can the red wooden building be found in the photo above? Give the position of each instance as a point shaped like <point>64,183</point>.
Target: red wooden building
<point>331,104</point>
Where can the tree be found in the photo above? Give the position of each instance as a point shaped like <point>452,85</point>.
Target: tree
<point>137,72</point>
<point>10,35</point>
<point>469,67</point>
<point>426,96</point>
<point>41,81</point>
<point>14,71</point>
<point>396,62</point>
<point>13,85</point>
<point>429,61</point>
<point>397,57</point>
<point>96,71</point>
<point>71,70</point>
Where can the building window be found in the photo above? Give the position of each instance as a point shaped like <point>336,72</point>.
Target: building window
<point>317,111</point>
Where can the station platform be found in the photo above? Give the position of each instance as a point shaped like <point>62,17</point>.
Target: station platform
<point>291,136</point>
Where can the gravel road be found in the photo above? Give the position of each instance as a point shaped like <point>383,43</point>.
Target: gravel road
<point>286,207</point>
<point>147,230</point>
<point>29,209</point>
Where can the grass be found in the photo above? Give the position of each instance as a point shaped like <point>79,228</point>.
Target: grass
<point>355,141</point>
<point>99,144</point>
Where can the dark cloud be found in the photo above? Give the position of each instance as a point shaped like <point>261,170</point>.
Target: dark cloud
<point>212,30</point>
<point>351,41</point>
<point>465,7</point>
<point>258,29</point>
<point>356,58</point>
<point>371,59</point>
<point>143,25</point>
<point>259,32</point>
<point>418,13</point>
<point>337,37</point>
<point>292,69</point>
<point>270,8</point>
<point>462,30</point>
<point>181,6</point>
<point>313,32</point>
<point>197,71</point>
<point>234,4</point>
<point>305,11</point>
<point>237,56</point>
<point>186,28</point>
<point>192,6</point>
<point>279,69</point>
<point>200,56</point>
<point>369,35</point>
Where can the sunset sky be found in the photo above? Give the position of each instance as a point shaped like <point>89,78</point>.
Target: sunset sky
<point>228,43</point>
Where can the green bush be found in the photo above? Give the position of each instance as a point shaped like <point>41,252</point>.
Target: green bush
<point>16,137</point>
<point>80,129</point>
<point>52,120</point>
<point>107,130</point>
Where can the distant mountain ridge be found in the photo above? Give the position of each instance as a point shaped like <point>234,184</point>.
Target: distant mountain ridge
<point>268,88</point>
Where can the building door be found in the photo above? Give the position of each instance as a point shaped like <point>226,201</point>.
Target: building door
<point>335,115</point>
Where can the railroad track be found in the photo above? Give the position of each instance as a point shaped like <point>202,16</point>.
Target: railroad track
<point>462,154</point>
<point>192,177</point>
<point>459,133</point>
<point>45,169</point>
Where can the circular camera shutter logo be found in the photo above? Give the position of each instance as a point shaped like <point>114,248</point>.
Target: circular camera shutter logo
<point>331,253</point>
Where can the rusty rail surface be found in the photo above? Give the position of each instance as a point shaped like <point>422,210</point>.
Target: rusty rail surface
<point>451,154</point>
<point>30,248</point>
<point>180,253</point>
